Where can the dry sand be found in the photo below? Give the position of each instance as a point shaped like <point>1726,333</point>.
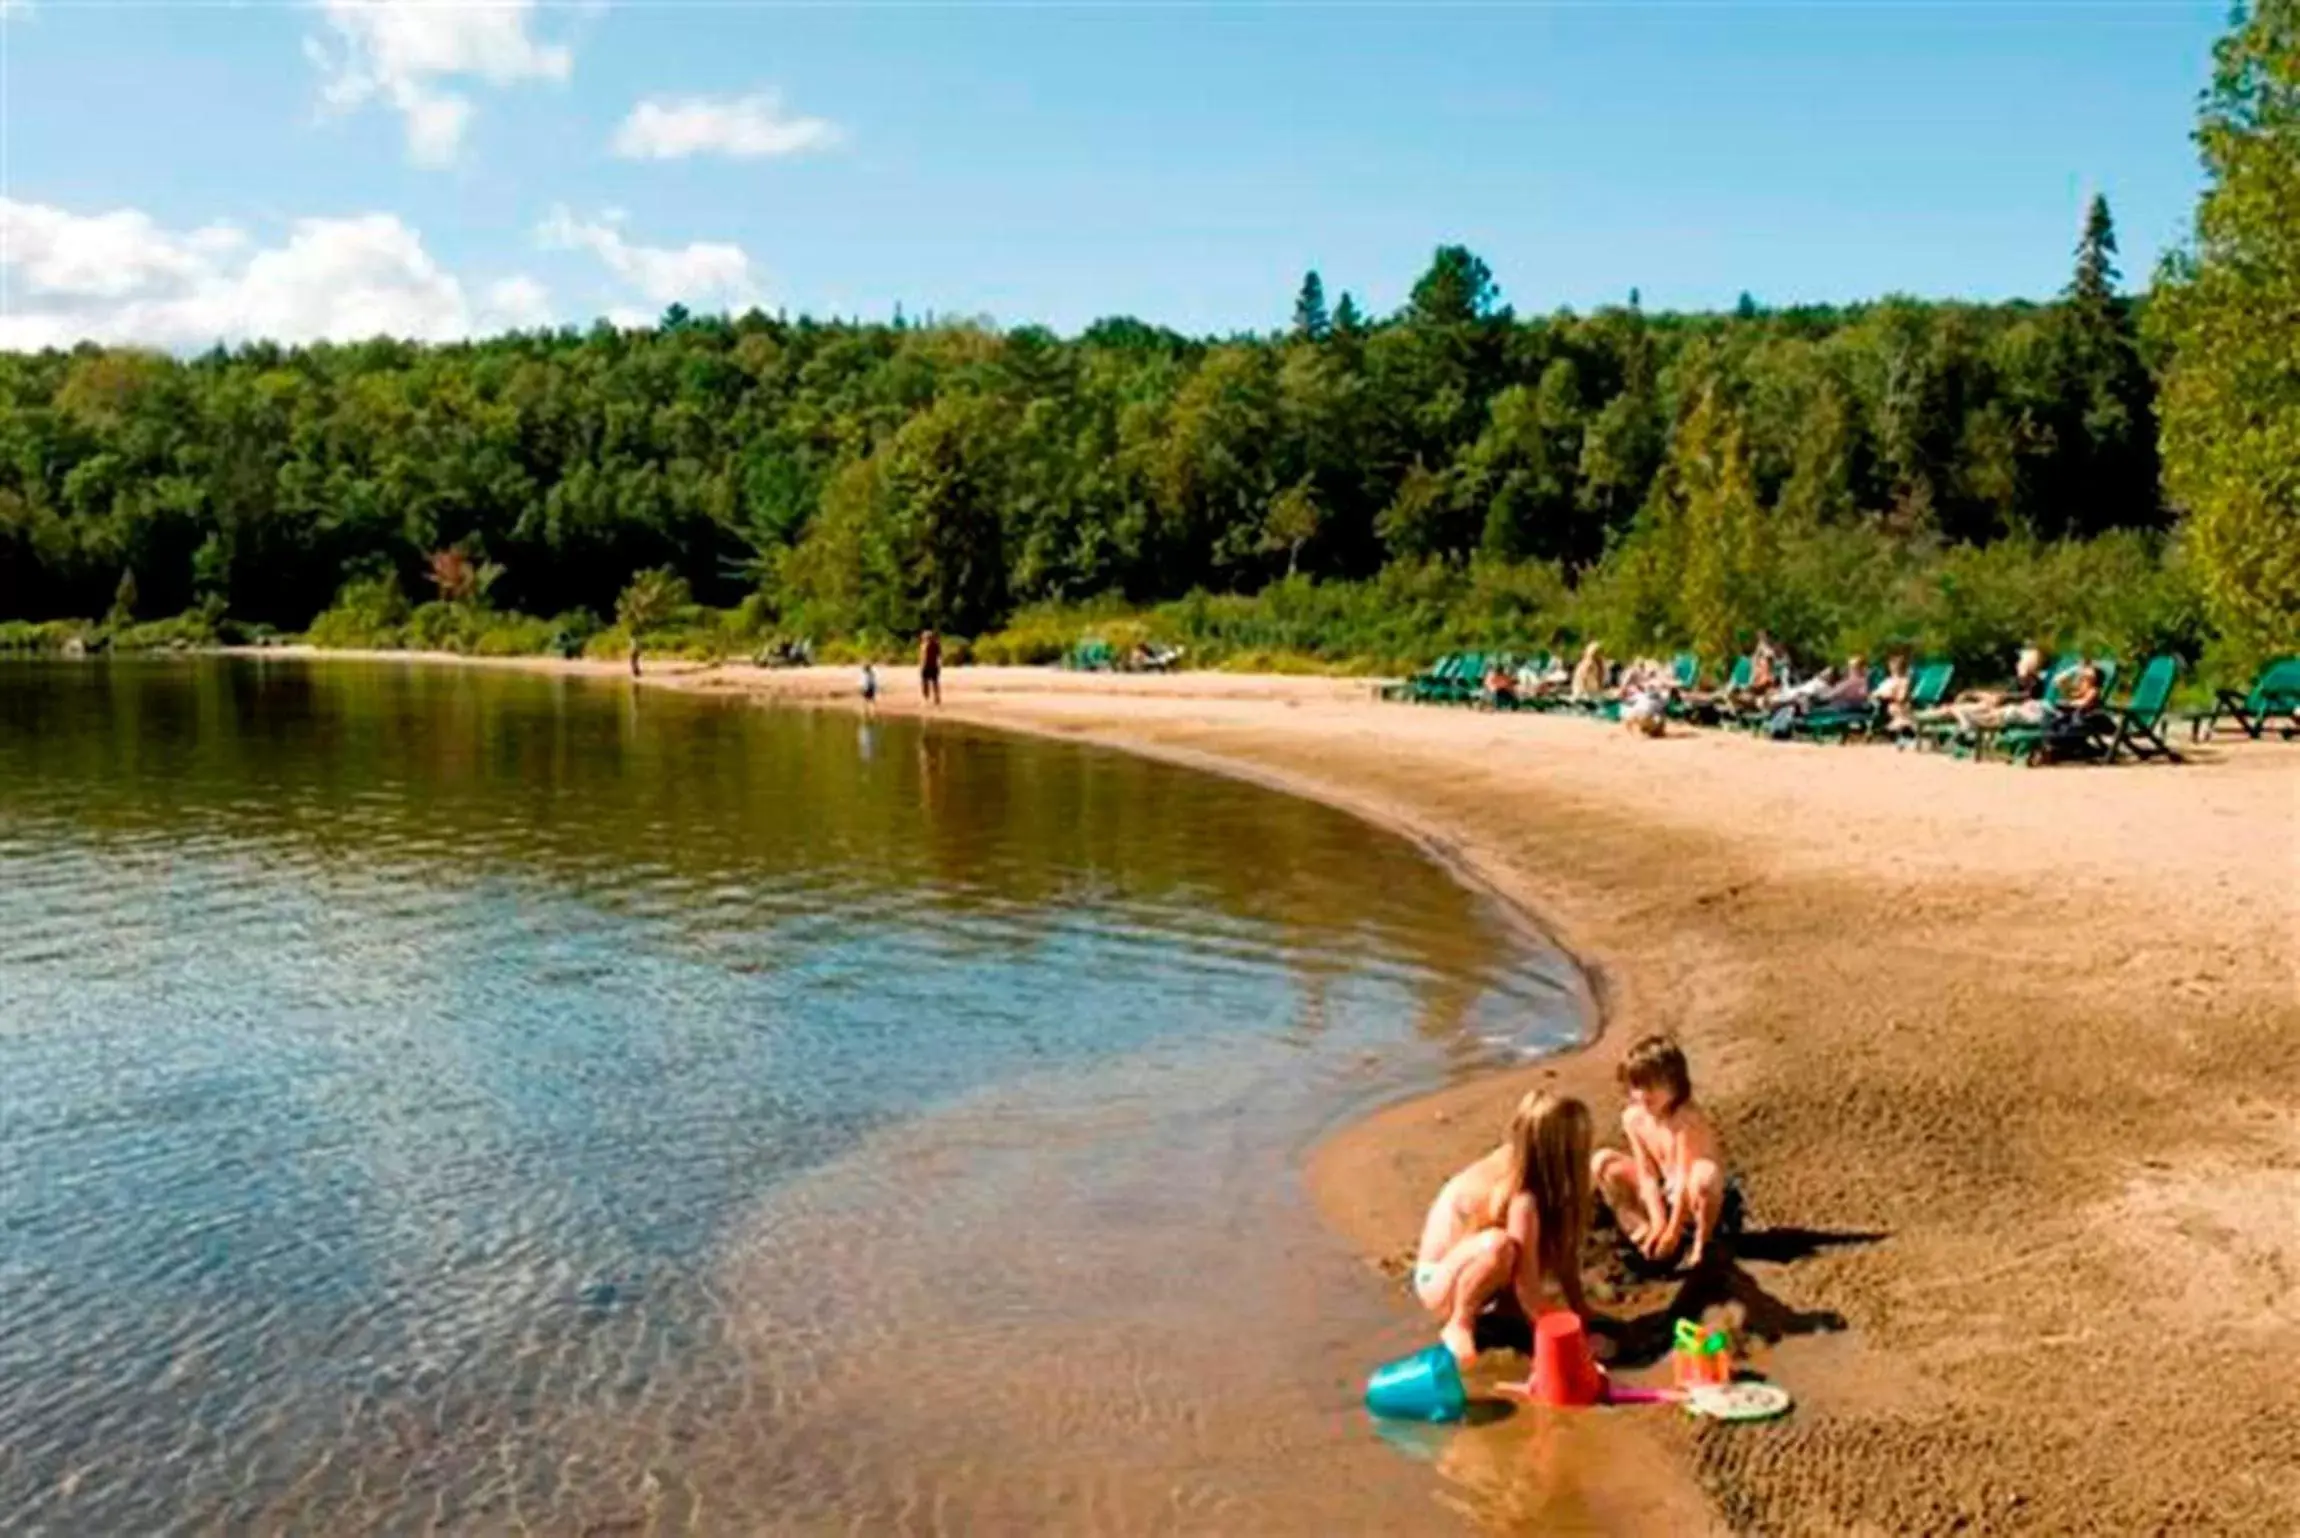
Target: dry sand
<point>2009,1060</point>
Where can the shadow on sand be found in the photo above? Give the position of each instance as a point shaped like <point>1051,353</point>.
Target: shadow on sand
<point>1642,1335</point>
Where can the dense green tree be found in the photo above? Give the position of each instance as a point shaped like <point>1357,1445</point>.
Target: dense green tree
<point>847,477</point>
<point>2229,312</point>
<point>1457,290</point>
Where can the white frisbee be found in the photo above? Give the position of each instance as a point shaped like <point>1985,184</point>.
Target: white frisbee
<point>1745,1401</point>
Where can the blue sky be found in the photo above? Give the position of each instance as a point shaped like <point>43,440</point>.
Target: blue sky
<point>180,169</point>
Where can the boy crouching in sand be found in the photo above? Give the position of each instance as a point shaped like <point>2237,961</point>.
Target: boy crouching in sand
<point>1669,1193</point>
<point>1512,1223</point>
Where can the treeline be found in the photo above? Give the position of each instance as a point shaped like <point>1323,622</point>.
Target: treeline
<point>1654,477</point>
<point>881,477</point>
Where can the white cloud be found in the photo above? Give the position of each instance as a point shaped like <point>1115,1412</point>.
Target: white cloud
<point>400,52</point>
<point>702,275</point>
<point>122,277</point>
<point>744,127</point>
<point>515,304</point>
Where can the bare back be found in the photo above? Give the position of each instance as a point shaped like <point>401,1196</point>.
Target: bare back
<point>1464,1206</point>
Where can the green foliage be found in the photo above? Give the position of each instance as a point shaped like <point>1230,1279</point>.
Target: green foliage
<point>2226,314</point>
<point>369,612</point>
<point>652,601</point>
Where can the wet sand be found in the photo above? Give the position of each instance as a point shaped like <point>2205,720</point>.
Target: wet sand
<point>2009,1060</point>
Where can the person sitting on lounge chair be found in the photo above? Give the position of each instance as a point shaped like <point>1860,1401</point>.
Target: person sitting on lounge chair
<point>1765,668</point>
<point>1500,686</point>
<point>1647,686</point>
<point>1893,694</point>
<point>1588,684</point>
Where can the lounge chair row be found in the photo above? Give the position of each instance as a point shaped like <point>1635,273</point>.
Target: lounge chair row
<point>2108,733</point>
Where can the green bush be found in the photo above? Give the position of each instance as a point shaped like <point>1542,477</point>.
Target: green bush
<point>368,613</point>
<point>21,635</point>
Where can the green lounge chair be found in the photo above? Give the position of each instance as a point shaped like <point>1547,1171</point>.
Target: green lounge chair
<point>1460,684</point>
<point>1429,683</point>
<point>2138,720</point>
<point>2109,733</point>
<point>1410,688</point>
<point>2058,735</point>
<point>2276,692</point>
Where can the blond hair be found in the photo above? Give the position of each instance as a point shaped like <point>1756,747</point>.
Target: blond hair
<point>1548,1160</point>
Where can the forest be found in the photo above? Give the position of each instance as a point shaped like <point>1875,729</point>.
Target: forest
<point>2096,467</point>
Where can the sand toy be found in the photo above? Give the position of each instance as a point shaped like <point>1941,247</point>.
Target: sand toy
<point>1700,1357</point>
<point>1748,1400</point>
<point>1426,1386</point>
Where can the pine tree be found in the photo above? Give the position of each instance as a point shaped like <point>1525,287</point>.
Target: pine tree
<point>2105,472</point>
<point>2092,291</point>
<point>1349,320</point>
<point>1310,320</point>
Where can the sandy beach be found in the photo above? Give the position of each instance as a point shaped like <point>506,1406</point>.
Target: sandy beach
<point>2008,1060</point>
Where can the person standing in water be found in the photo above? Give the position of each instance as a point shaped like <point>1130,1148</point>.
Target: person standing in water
<point>870,688</point>
<point>930,666</point>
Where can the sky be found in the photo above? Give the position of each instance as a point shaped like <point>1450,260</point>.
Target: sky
<point>182,172</point>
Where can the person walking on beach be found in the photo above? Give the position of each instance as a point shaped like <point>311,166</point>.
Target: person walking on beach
<point>930,666</point>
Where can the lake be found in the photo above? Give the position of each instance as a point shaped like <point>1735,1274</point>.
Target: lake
<point>459,1099</point>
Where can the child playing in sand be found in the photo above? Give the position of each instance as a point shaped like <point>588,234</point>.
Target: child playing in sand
<point>1669,1191</point>
<point>1513,1220</point>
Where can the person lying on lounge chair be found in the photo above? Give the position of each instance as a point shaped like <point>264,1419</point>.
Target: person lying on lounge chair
<point>2071,693</point>
<point>1541,683</point>
<point>1826,690</point>
<point>1981,704</point>
<point>1500,686</point>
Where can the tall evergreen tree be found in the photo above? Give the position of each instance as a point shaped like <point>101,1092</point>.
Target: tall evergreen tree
<point>1310,319</point>
<point>2092,291</point>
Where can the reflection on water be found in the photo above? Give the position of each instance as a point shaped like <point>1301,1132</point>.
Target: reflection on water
<point>438,1097</point>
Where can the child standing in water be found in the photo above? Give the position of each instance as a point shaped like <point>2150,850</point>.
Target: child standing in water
<point>1514,1219</point>
<point>1669,1192</point>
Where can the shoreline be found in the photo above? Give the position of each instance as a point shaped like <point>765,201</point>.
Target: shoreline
<point>2010,1057</point>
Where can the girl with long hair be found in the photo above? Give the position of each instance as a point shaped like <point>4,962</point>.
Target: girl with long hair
<point>1514,1219</point>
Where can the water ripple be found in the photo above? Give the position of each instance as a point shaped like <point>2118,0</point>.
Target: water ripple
<point>438,1103</point>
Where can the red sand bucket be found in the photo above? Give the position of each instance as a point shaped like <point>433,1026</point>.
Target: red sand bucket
<point>1564,1373</point>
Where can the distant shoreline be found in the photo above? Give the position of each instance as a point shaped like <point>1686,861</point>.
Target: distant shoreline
<point>2000,1052</point>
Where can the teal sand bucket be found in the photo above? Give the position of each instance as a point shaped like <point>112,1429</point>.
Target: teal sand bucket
<point>1423,1387</point>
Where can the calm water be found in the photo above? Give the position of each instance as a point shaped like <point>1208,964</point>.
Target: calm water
<point>459,1100</point>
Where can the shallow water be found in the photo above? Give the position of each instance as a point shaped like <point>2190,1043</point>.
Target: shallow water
<point>468,1100</point>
